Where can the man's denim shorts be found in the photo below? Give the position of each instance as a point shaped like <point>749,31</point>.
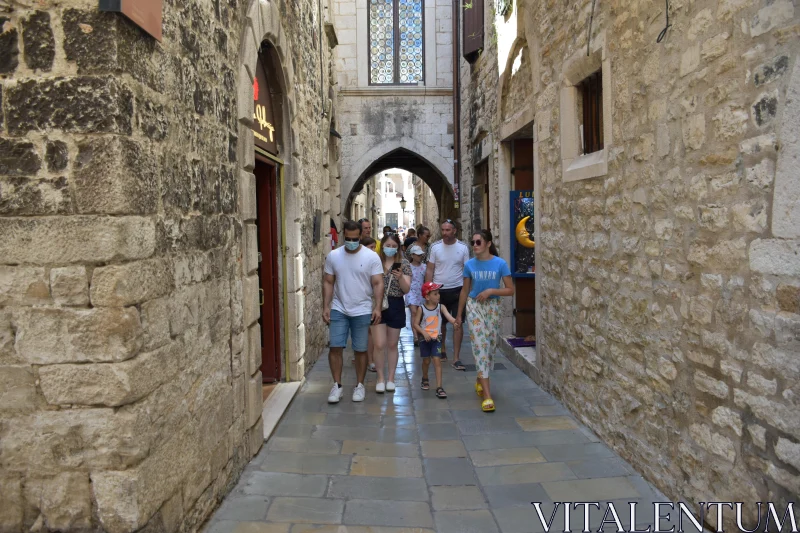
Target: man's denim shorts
<point>357,326</point>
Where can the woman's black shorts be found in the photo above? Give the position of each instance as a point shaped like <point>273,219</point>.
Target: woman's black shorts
<point>395,315</point>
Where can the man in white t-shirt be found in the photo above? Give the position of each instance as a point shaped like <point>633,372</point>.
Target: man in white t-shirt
<point>353,275</point>
<point>446,260</point>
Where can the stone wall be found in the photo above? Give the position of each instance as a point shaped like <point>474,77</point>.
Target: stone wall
<point>130,394</point>
<point>670,283</point>
<point>378,119</point>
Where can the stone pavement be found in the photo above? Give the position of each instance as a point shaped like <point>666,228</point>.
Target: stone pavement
<point>410,462</point>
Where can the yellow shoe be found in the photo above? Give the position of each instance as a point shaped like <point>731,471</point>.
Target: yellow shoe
<point>487,406</point>
<point>479,389</point>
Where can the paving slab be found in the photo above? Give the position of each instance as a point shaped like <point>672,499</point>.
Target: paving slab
<point>228,526</point>
<point>437,431</point>
<point>305,463</point>
<point>308,510</point>
<point>515,495</point>
<point>281,484</point>
<point>508,456</point>
<point>449,471</point>
<point>388,513</point>
<point>317,446</point>
<point>243,508</point>
<point>457,498</point>
<point>409,462</point>
<point>378,488</point>
<point>380,449</point>
<point>386,466</point>
<point>465,522</point>
<point>443,448</point>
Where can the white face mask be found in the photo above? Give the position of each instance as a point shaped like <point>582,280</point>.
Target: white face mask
<point>390,251</point>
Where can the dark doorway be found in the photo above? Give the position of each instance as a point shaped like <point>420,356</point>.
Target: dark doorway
<point>525,312</point>
<point>266,173</point>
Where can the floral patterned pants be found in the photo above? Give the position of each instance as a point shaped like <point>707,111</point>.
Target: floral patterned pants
<point>484,326</point>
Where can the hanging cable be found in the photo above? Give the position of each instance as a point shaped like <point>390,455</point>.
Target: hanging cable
<point>664,31</point>
<point>589,36</point>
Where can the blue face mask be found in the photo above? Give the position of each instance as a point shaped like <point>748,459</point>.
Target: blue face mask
<point>390,251</point>
<point>352,245</point>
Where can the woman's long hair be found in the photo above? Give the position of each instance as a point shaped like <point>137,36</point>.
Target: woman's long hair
<point>393,237</point>
<point>486,235</point>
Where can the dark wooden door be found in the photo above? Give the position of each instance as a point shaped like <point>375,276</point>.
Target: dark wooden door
<point>525,312</point>
<point>268,250</point>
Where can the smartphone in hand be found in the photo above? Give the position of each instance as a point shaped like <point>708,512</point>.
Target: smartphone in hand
<point>397,266</point>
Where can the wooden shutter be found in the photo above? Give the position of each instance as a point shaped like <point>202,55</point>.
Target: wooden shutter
<point>472,11</point>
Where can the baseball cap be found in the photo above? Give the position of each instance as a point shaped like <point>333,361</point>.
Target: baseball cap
<point>416,250</point>
<point>430,286</point>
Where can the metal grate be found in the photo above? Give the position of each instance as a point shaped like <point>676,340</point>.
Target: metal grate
<point>497,366</point>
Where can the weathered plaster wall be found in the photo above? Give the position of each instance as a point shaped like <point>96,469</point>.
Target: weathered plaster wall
<point>130,394</point>
<point>670,286</point>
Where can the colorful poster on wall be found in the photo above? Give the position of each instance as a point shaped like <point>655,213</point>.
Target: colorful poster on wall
<point>523,243</point>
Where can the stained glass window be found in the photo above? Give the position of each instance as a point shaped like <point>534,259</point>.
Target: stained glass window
<point>395,41</point>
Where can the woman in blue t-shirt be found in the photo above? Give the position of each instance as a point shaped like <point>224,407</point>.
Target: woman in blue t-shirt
<point>486,278</point>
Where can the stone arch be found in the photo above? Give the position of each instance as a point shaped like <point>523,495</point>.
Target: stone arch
<point>519,50</point>
<point>394,152</point>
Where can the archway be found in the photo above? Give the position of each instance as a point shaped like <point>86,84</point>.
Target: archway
<point>405,159</point>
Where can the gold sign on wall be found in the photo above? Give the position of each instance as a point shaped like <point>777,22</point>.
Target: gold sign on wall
<point>264,129</point>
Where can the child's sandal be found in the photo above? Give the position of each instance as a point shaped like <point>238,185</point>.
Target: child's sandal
<point>440,393</point>
<point>426,384</point>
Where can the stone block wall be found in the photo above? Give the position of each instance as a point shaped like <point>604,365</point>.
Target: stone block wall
<point>670,311</point>
<point>130,395</point>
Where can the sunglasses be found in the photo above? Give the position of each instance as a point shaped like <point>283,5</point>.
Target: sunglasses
<point>448,221</point>
<point>353,239</point>
<point>477,242</point>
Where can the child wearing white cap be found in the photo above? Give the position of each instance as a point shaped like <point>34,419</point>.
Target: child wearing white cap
<point>414,297</point>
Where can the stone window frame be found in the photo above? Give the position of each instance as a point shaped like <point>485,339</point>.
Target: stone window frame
<point>574,164</point>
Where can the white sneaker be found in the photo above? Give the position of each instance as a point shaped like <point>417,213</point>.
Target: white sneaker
<point>336,394</point>
<point>390,386</point>
<point>359,393</point>
<point>380,387</point>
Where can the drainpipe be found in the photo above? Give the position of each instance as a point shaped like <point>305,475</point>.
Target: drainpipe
<point>457,99</point>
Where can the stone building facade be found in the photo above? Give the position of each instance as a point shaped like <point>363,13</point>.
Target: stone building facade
<point>386,126</point>
<point>668,262</point>
<point>130,389</point>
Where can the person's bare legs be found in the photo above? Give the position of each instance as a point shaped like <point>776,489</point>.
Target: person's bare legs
<point>335,360</point>
<point>437,367</point>
<point>392,338</point>
<point>370,348</point>
<point>426,363</point>
<point>487,393</point>
<point>378,348</point>
<point>413,309</point>
<point>458,337</point>
<point>361,366</point>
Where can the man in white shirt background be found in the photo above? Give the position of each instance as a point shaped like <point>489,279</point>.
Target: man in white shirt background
<point>446,260</point>
<point>353,275</point>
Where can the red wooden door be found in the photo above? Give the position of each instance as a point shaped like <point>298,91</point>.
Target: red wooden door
<point>268,248</point>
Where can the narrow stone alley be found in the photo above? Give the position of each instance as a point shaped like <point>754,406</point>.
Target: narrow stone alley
<point>410,462</point>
